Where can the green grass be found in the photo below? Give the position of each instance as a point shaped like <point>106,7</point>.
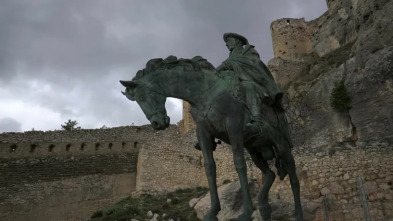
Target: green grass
<point>137,208</point>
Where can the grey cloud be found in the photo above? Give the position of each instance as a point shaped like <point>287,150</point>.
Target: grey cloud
<point>70,36</point>
<point>10,125</point>
<point>81,49</point>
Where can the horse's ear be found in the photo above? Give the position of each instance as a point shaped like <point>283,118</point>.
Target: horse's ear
<point>129,92</point>
<point>129,84</point>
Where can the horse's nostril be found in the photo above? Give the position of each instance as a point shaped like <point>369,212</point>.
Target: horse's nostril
<point>154,123</point>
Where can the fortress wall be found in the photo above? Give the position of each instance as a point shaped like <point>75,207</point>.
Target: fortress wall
<point>335,177</point>
<point>33,170</point>
<point>75,198</point>
<point>68,186</point>
<point>64,188</point>
<point>67,175</point>
<point>78,142</point>
<point>330,176</point>
<point>44,149</point>
<point>168,170</point>
<point>169,162</point>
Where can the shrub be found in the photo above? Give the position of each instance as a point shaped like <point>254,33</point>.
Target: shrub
<point>70,125</point>
<point>340,98</point>
<point>97,214</point>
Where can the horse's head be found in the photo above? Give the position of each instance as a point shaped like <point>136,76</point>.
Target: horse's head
<point>151,102</point>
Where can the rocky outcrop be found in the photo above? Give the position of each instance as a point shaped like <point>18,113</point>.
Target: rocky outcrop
<point>231,204</point>
<point>230,201</point>
<point>354,44</point>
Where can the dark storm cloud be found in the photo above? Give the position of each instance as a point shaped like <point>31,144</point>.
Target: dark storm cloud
<point>73,37</point>
<point>66,57</point>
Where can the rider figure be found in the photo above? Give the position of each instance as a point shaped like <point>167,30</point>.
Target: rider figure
<point>256,83</point>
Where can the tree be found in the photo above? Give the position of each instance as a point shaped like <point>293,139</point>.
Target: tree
<point>70,125</point>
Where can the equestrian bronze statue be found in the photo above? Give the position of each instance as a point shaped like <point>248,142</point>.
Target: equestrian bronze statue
<point>237,102</point>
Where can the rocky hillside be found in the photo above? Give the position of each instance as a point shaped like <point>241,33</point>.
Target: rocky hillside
<point>341,93</point>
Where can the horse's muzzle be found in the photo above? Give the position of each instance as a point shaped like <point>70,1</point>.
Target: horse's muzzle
<point>160,124</point>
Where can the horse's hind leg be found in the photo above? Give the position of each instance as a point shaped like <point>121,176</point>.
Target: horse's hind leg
<point>267,181</point>
<point>289,165</point>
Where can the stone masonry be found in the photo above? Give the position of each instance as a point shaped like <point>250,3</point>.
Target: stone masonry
<point>67,175</point>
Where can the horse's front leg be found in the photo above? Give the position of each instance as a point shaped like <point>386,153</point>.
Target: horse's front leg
<point>236,139</point>
<point>206,145</point>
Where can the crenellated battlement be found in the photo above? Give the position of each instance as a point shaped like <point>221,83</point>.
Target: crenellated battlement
<point>79,142</point>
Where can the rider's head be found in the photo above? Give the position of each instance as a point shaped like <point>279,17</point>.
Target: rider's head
<point>233,40</point>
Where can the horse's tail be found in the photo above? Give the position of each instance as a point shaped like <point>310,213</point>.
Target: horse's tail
<point>283,125</point>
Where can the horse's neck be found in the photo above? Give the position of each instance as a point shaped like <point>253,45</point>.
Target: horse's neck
<point>191,86</point>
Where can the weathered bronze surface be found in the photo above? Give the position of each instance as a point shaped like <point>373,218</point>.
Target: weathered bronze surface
<point>238,102</point>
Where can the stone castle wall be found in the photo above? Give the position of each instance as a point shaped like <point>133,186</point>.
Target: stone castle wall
<point>78,142</point>
<point>67,175</point>
<point>333,178</point>
<point>70,185</point>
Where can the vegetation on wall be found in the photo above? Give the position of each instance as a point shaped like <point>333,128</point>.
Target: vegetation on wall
<point>340,99</point>
<point>70,125</point>
<point>174,205</point>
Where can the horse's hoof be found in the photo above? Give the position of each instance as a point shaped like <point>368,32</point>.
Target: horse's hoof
<point>299,218</point>
<point>243,217</point>
<point>265,210</point>
<point>210,217</point>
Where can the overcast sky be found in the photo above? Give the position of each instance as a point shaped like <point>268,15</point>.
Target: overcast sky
<point>63,59</point>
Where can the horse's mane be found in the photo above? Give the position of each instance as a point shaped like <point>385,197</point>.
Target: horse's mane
<point>197,63</point>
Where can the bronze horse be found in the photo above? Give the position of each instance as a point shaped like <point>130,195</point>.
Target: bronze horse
<point>218,114</point>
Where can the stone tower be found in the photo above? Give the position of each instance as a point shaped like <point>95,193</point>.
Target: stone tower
<point>187,123</point>
<point>291,36</point>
